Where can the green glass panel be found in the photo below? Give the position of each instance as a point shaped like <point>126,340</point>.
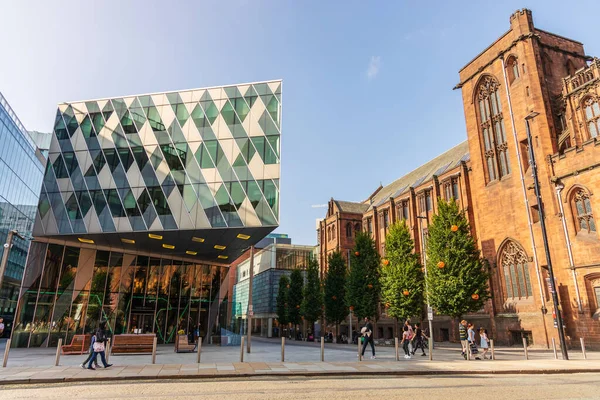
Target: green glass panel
<point>274,142</point>
<point>72,125</point>
<point>262,89</point>
<point>171,157</point>
<point>140,156</point>
<point>145,101</point>
<point>126,158</point>
<point>72,208</point>
<point>254,193</point>
<point>90,171</point>
<point>98,121</point>
<point>131,205</point>
<point>203,157</point>
<point>198,117</point>
<point>241,108</point>
<point>205,96</point>
<point>137,114</point>
<point>213,148</point>
<point>267,125</point>
<point>174,98</point>
<point>119,138</point>
<point>92,107</point>
<point>205,196</point>
<point>176,133</point>
<point>111,159</point>
<point>154,119</point>
<point>84,202</point>
<point>237,194</point>
<point>232,92</point>
<point>99,161</point>
<point>259,143</point>
<point>273,109</point>
<point>181,113</point>
<point>127,123</point>
<point>44,205</point>
<point>239,161</point>
<point>114,203</point>
<point>222,198</point>
<point>278,92</point>
<point>134,139</point>
<point>98,200</point>
<point>210,110</point>
<point>156,158</point>
<point>189,197</point>
<point>86,128</point>
<point>228,114</point>
<point>107,110</point>
<point>144,201</point>
<point>59,168</point>
<point>160,201</point>
<point>70,161</point>
<point>251,96</point>
<point>272,196</point>
<point>60,128</point>
<point>119,107</point>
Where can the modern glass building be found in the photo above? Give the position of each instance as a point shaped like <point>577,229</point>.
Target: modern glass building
<point>21,173</point>
<point>270,264</point>
<point>145,202</point>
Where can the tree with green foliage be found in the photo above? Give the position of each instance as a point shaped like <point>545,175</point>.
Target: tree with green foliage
<point>295,297</point>
<point>282,303</point>
<point>457,278</point>
<point>362,285</point>
<point>335,290</point>
<point>312,304</point>
<point>402,283</point>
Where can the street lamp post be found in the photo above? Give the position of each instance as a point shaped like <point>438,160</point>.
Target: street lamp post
<point>7,248</point>
<point>429,310</point>
<point>536,186</point>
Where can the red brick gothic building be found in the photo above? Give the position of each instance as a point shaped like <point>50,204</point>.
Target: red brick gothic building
<point>527,71</point>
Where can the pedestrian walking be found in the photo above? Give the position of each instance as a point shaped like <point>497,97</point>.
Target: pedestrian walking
<point>406,337</point>
<point>418,341</point>
<point>99,346</point>
<point>1,326</point>
<point>471,337</point>
<point>485,343</point>
<point>90,353</point>
<point>464,339</point>
<point>367,332</point>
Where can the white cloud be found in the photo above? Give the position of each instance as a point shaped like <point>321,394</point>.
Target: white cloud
<point>374,66</point>
<point>319,205</point>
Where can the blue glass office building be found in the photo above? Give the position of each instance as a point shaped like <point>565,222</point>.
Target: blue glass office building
<point>21,174</point>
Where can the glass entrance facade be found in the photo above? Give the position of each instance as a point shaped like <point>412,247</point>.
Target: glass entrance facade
<point>67,290</point>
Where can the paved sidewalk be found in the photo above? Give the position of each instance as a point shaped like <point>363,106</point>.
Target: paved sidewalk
<point>302,369</point>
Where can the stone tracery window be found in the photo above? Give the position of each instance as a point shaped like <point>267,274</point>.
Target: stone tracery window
<point>592,116</point>
<point>515,267</point>
<point>492,129</point>
<point>349,230</point>
<point>582,211</point>
<point>512,69</point>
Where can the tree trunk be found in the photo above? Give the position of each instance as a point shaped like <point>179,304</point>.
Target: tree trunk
<point>454,335</point>
<point>396,327</point>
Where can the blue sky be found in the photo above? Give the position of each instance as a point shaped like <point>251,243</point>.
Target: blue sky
<point>367,93</point>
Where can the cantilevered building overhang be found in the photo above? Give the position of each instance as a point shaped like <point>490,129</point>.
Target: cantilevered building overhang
<point>190,174</point>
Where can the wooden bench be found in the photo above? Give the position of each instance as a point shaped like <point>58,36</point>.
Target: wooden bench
<point>128,343</point>
<point>182,344</point>
<point>80,344</point>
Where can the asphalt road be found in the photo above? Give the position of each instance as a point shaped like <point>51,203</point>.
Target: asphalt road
<point>481,387</point>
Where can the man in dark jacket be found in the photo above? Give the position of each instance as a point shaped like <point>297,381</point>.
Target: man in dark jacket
<point>367,332</point>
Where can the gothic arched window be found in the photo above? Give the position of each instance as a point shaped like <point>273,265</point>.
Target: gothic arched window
<point>515,267</point>
<point>356,228</point>
<point>333,232</point>
<point>492,129</point>
<point>329,233</point>
<point>349,229</point>
<point>592,116</point>
<point>582,211</point>
<point>512,69</point>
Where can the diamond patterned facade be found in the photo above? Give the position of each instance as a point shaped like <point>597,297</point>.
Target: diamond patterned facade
<point>197,168</point>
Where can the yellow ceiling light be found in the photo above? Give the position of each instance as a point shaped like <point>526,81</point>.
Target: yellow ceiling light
<point>89,241</point>
<point>168,246</point>
<point>242,236</point>
<point>223,257</point>
<point>129,241</point>
<point>197,239</point>
<point>153,236</point>
<point>191,253</point>
<point>219,247</point>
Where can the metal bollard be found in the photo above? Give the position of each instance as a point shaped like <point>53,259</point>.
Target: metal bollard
<point>583,348</point>
<point>322,349</point>
<point>199,349</point>
<point>154,343</point>
<point>58,349</point>
<point>525,348</point>
<point>6,350</point>
<point>554,349</point>
<point>396,346</point>
<point>242,350</point>
<point>492,349</point>
<point>282,349</point>
<point>468,351</point>
<point>359,354</point>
